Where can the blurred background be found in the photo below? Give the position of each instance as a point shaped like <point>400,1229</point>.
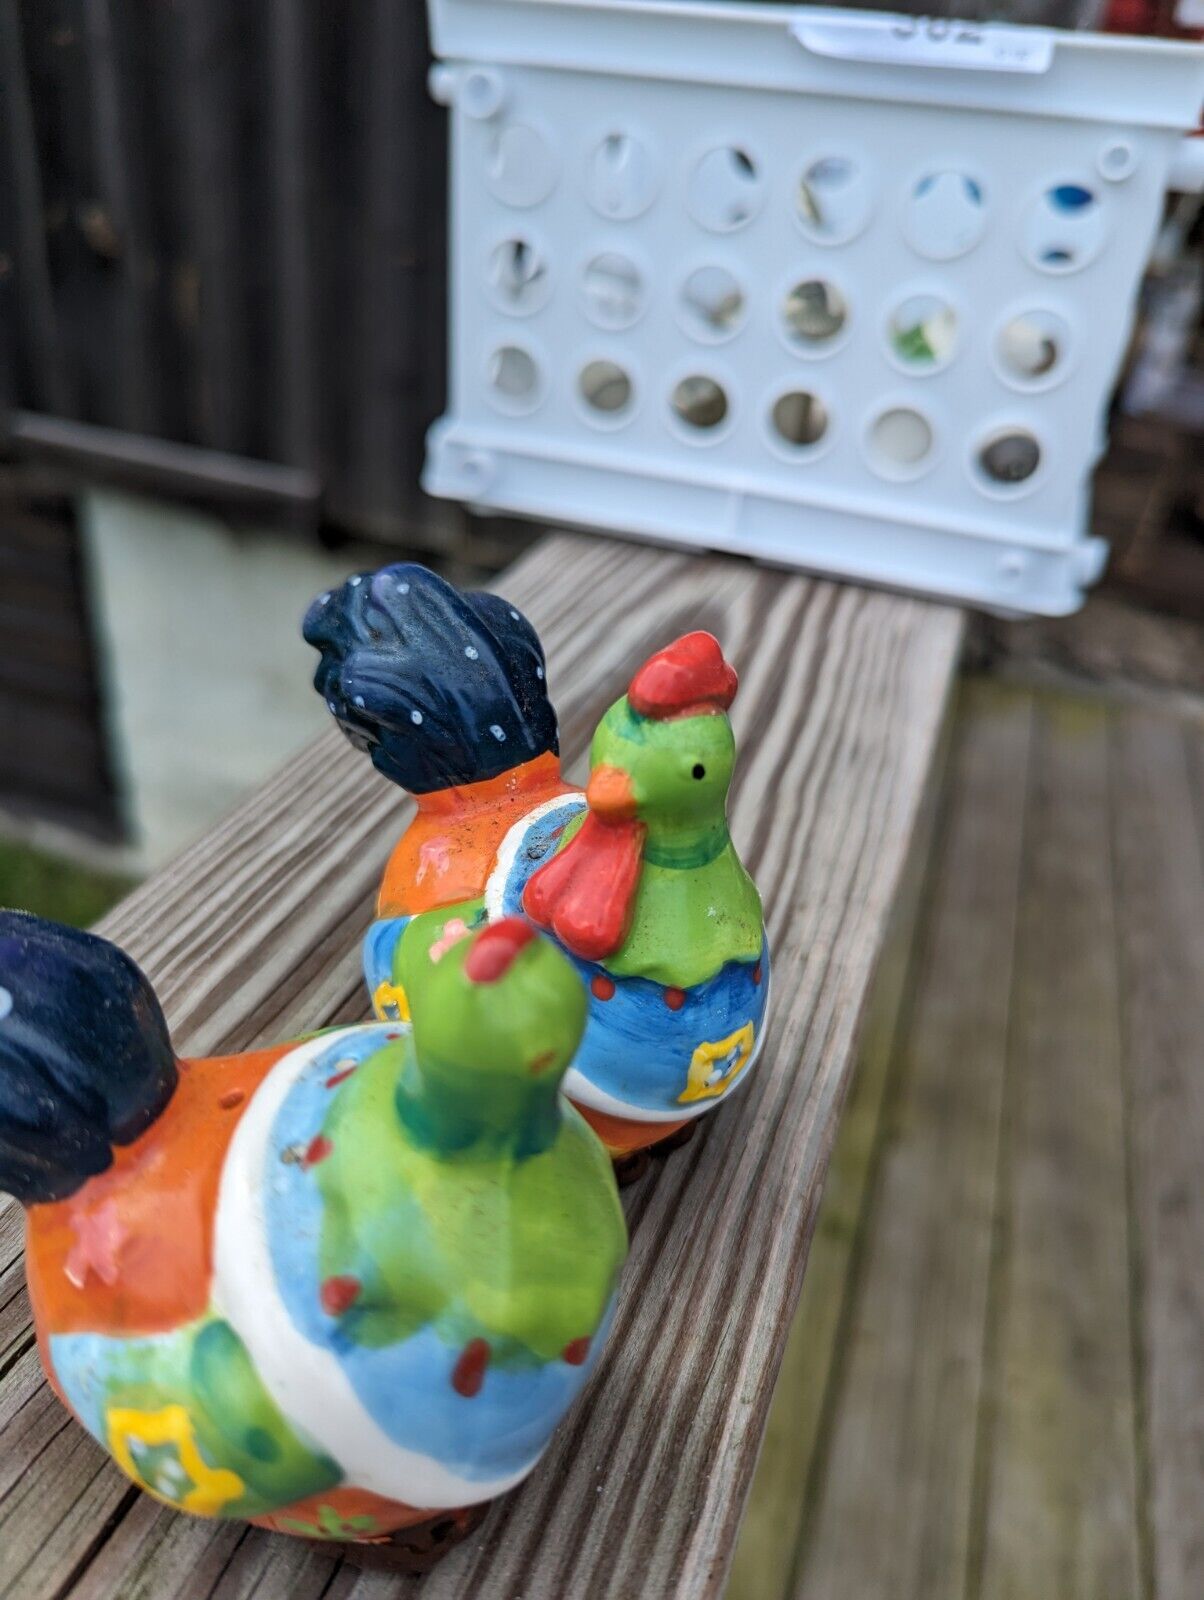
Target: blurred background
<point>222,304</point>
<point>222,257</point>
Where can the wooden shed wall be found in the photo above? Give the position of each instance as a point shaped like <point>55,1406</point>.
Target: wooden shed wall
<point>223,224</point>
<point>53,754</point>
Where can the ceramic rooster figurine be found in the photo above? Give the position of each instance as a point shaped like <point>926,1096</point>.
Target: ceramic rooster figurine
<point>339,1287</point>
<point>637,878</point>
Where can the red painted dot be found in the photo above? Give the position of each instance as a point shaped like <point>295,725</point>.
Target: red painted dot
<point>602,987</point>
<point>757,973</point>
<point>576,1351</point>
<point>339,1077</point>
<point>468,1374</point>
<point>338,1294</point>
<point>231,1099</point>
<point>495,949</point>
<point>675,999</point>
<point>318,1148</point>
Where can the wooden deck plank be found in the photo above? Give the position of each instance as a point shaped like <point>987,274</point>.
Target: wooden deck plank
<point>842,700</point>
<point>763,1565</point>
<point>57,1488</point>
<point>1194,739</point>
<point>1149,855</point>
<point>14,1302</point>
<point>1058,1478</point>
<point>153,1555</point>
<point>1159,859</point>
<point>891,1511</point>
<point>641,1508</point>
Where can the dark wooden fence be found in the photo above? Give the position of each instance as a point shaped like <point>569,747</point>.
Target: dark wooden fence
<point>222,224</point>
<point>54,759</point>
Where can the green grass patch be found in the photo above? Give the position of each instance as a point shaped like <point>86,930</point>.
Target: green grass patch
<point>31,880</point>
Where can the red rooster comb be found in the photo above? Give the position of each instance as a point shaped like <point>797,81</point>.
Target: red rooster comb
<point>688,678</point>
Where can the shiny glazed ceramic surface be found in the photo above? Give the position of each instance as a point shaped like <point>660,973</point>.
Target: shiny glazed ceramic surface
<point>332,1286</point>
<point>636,878</point>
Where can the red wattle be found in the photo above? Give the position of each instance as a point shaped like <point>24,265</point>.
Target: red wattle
<point>586,894</point>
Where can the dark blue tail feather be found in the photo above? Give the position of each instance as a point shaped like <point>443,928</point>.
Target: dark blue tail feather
<point>439,687</point>
<point>85,1058</point>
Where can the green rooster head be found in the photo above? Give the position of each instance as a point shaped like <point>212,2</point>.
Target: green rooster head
<point>663,754</point>
<point>497,1020</point>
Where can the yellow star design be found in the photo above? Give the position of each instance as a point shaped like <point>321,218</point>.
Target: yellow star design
<point>714,1067</point>
<point>212,1487</point>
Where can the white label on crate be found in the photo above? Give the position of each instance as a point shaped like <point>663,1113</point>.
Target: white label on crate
<point>925,41</point>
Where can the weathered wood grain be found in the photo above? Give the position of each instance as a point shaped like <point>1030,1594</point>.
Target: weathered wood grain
<point>764,1560</point>
<point>14,1303</point>
<point>58,1491</point>
<point>1159,860</point>
<point>251,932</point>
<point>1058,1480</point>
<point>153,1555</point>
<point>1195,767</point>
<point>891,1493</point>
<point>902,1486</point>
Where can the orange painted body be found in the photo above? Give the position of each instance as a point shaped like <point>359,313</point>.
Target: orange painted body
<point>446,854</point>
<point>132,1251</point>
<point>621,1137</point>
<point>445,857</point>
<point>146,1262</point>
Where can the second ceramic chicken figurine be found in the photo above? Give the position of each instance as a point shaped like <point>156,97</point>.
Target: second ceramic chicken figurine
<point>340,1288</point>
<point>637,878</point>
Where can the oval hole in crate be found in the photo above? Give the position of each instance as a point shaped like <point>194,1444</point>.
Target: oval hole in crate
<point>605,387</point>
<point>522,168</point>
<point>923,333</point>
<point>1008,458</point>
<point>726,189</point>
<point>800,418</point>
<point>513,376</point>
<point>1064,228</point>
<point>945,215</point>
<point>833,201</point>
<point>1032,347</point>
<point>519,280</point>
<point>712,303</point>
<point>900,441</point>
<point>814,314</point>
<point>622,180</point>
<point>700,402</point>
<point>613,289</point>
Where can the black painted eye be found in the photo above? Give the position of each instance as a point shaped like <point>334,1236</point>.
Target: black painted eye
<point>699,770</point>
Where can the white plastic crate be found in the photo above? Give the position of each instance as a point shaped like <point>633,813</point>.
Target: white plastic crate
<point>831,288</point>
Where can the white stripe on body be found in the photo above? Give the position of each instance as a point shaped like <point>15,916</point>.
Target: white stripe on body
<point>304,1380</point>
